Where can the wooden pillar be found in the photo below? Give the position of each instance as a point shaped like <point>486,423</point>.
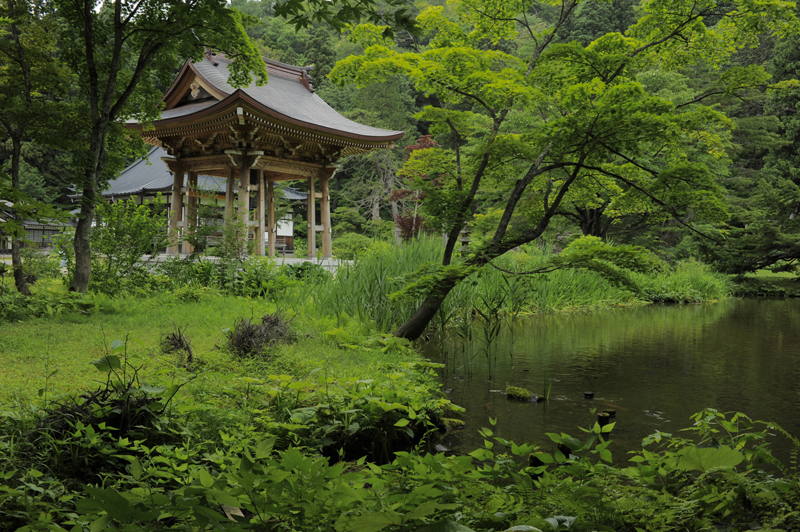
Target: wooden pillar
<point>229,194</point>
<point>191,209</point>
<point>312,220</point>
<point>271,232</point>
<point>176,208</point>
<point>325,214</point>
<point>244,197</point>
<point>260,215</point>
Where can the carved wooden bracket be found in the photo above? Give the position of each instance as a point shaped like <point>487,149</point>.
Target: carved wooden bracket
<point>239,158</point>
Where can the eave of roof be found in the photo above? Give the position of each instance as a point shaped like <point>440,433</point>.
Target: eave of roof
<point>284,99</point>
<point>143,178</point>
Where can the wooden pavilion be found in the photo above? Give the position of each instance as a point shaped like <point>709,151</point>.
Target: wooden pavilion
<point>253,137</point>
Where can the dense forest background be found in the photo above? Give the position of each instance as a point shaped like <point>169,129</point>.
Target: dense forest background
<point>372,196</point>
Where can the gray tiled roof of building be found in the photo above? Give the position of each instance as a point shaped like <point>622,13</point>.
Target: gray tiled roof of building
<point>142,177</point>
<point>287,97</point>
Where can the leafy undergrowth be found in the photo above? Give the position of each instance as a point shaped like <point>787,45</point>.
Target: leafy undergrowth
<point>333,433</point>
<point>248,480</point>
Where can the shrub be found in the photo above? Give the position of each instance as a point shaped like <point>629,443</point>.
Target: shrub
<point>300,248</point>
<point>350,246</point>
<point>248,340</point>
<point>125,234</point>
<point>689,282</point>
<point>15,306</point>
<point>39,264</point>
<point>255,277</point>
<point>306,271</point>
<point>64,243</point>
<point>192,292</point>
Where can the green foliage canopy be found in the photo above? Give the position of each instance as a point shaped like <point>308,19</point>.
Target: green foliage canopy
<point>554,121</point>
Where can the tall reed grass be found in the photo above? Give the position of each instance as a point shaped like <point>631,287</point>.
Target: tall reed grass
<point>688,282</point>
<point>362,290</point>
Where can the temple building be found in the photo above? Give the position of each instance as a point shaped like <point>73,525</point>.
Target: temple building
<point>146,178</point>
<point>251,138</point>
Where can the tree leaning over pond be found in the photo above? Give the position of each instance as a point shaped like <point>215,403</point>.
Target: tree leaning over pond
<point>121,53</point>
<point>557,119</point>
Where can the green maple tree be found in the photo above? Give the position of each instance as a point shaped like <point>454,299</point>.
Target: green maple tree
<point>552,122</point>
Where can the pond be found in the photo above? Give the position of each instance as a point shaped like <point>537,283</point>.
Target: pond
<point>655,365</point>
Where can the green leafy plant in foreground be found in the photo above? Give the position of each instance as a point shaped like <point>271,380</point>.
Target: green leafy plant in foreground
<point>247,484</point>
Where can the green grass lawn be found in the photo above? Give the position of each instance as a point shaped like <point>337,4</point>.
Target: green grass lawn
<point>67,343</point>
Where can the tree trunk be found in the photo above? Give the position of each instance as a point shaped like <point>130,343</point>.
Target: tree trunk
<point>83,250</point>
<point>416,325</point>
<point>592,222</point>
<point>376,208</point>
<point>395,214</point>
<point>19,275</point>
<point>16,259</point>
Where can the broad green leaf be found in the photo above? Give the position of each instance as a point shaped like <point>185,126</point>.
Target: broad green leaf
<point>264,448</point>
<point>695,458</point>
<point>112,502</point>
<point>206,480</point>
<point>107,363</point>
<point>545,458</point>
<point>374,521</point>
<point>99,524</point>
<point>421,511</point>
<point>446,526</point>
<point>152,389</point>
<point>136,469</point>
<point>222,497</point>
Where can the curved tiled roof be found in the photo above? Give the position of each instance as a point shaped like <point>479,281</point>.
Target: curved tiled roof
<point>285,96</point>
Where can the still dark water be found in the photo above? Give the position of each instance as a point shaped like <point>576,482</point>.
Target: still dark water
<point>655,365</point>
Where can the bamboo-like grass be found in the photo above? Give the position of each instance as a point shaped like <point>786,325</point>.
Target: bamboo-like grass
<point>362,290</point>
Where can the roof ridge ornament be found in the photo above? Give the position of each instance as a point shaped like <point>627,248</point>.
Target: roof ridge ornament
<point>306,78</point>
<point>210,56</point>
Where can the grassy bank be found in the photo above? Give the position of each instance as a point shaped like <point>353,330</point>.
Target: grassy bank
<point>366,289</point>
<point>765,283</point>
